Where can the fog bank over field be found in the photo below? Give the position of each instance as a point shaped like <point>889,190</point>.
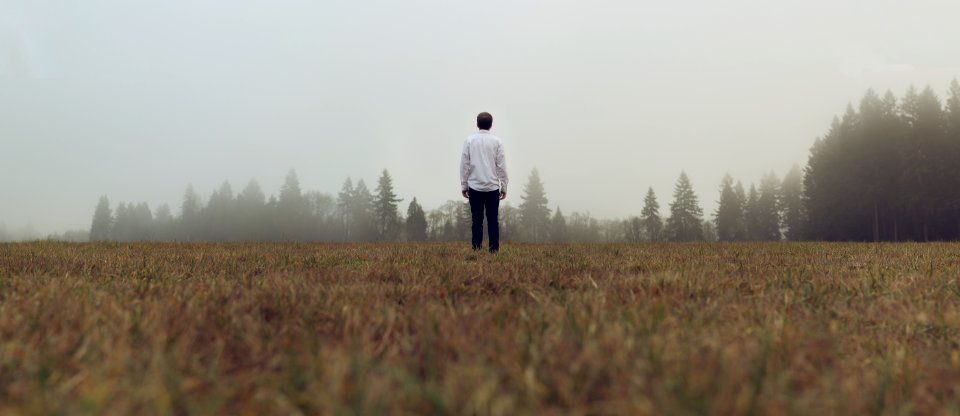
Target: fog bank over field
<point>605,98</point>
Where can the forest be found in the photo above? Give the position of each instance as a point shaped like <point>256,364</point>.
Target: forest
<point>886,170</point>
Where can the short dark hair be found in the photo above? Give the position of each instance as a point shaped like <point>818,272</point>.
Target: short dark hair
<point>484,121</point>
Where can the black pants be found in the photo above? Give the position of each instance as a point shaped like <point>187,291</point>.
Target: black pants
<point>489,202</point>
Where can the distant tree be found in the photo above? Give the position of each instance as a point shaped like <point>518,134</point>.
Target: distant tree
<point>612,231</point>
<point>752,215</point>
<point>463,221</point>
<point>558,228</point>
<point>218,215</point>
<point>650,216</point>
<point>291,196</point>
<point>709,232</point>
<point>123,224</point>
<point>741,233</point>
<point>142,222</point>
<point>100,229</point>
<point>190,215</point>
<point>952,170</point>
<point>534,213</point>
<point>509,222</point>
<point>163,223</point>
<point>345,209</point>
<point>251,213</point>
<point>416,222</point>
<point>729,215</point>
<point>361,211</point>
<point>386,216</point>
<point>685,222</point>
<point>792,204</point>
<point>633,230</point>
<point>953,109</point>
<point>292,209</point>
<point>583,227</point>
<point>928,177</point>
<point>768,209</point>
<point>887,172</point>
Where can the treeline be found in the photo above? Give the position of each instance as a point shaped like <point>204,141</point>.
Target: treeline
<point>889,171</point>
<point>357,213</point>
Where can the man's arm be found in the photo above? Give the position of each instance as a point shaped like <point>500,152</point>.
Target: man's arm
<point>464,168</point>
<point>502,170</point>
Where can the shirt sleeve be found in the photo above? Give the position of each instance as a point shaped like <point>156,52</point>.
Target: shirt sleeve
<point>502,168</point>
<point>464,165</point>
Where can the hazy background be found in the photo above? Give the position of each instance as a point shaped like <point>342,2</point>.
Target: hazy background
<point>137,99</point>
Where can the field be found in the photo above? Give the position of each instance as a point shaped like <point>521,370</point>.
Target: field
<point>435,328</point>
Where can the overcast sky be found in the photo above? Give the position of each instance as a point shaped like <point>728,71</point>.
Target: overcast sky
<point>137,99</point>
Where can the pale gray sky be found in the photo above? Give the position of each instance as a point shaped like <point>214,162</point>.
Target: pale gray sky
<point>137,99</point>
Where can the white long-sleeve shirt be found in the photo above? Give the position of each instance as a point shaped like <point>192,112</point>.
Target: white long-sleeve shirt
<point>483,166</point>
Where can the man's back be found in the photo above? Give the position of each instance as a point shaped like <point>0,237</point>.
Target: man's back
<point>483,163</point>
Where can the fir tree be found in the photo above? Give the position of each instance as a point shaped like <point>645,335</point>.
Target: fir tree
<point>558,228</point>
<point>100,229</point>
<point>768,208</point>
<point>685,222</point>
<point>534,213</point>
<point>792,204</point>
<point>385,211</point>
<point>729,214</point>
<point>416,222</point>
<point>650,217</point>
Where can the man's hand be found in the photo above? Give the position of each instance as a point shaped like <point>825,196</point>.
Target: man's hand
<point>503,195</point>
<point>465,194</point>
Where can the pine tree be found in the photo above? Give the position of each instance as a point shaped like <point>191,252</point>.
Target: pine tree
<point>100,229</point>
<point>252,213</point>
<point>292,210</point>
<point>768,206</point>
<point>345,203</point>
<point>190,215</point>
<point>741,233</point>
<point>709,231</point>
<point>385,209</point>
<point>685,222</point>
<point>953,138</point>
<point>752,215</point>
<point>650,216</point>
<point>123,225</point>
<point>163,223</point>
<point>534,213</point>
<point>729,214</point>
<point>558,228</point>
<point>793,211</point>
<point>361,211</point>
<point>218,215</point>
<point>416,222</point>
<point>142,222</point>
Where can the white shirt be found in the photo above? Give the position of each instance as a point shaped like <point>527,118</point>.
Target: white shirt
<point>483,166</point>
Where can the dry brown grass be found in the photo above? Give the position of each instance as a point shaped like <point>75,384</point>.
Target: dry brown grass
<point>434,328</point>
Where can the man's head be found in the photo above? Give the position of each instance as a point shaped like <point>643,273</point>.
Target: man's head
<point>484,121</point>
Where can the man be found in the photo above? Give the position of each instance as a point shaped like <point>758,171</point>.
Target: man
<point>483,180</point>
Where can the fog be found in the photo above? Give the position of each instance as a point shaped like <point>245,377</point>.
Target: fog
<point>136,100</point>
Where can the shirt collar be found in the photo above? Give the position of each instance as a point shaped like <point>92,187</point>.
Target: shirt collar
<point>484,131</point>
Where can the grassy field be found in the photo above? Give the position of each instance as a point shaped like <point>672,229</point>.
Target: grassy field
<point>434,328</point>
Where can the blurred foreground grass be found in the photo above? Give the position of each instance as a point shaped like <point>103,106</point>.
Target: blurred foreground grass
<point>435,328</point>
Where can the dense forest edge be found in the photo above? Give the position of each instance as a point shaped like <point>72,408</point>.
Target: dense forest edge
<point>888,170</point>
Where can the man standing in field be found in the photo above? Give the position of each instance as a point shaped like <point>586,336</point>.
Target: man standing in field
<point>483,180</point>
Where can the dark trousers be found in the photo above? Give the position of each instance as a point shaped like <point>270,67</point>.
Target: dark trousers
<point>489,202</point>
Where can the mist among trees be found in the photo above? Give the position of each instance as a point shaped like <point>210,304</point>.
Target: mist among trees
<point>887,170</point>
